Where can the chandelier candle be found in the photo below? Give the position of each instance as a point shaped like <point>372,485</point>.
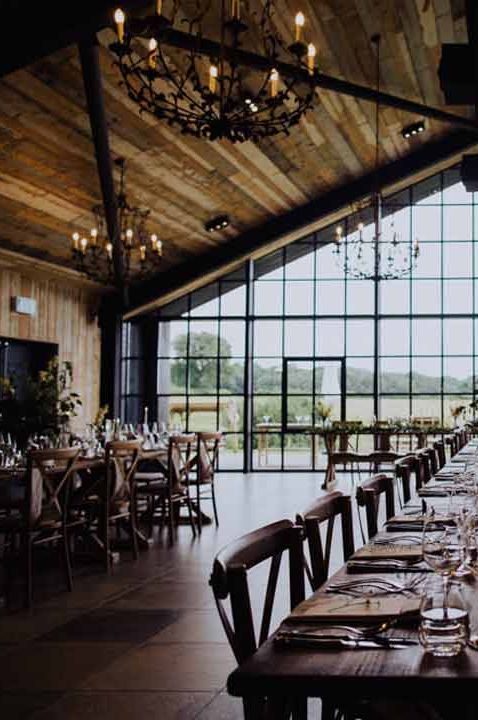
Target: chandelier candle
<point>311,53</point>
<point>235,9</point>
<point>153,46</point>
<point>299,24</point>
<point>159,7</point>
<point>76,241</point>
<point>212,78</point>
<point>119,20</point>
<point>274,82</point>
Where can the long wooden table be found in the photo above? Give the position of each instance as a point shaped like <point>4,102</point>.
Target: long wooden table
<point>352,676</point>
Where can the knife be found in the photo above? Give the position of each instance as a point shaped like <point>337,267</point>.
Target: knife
<point>334,642</point>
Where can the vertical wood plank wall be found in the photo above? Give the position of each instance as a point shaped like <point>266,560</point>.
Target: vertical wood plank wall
<point>64,317</point>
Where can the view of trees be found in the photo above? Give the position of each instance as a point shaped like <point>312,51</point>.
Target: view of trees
<point>203,377</point>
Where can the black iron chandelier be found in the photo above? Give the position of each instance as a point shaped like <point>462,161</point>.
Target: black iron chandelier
<point>190,68</point>
<point>141,250</point>
<point>363,250</point>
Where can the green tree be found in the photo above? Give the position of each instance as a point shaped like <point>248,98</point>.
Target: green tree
<point>203,350</point>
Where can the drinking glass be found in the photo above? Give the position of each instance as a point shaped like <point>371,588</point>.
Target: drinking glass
<point>443,630</point>
<point>442,550</point>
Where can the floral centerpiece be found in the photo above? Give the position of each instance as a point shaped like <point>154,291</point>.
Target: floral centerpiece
<point>323,411</point>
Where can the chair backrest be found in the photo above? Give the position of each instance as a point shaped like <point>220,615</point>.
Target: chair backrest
<point>379,457</point>
<point>431,453</point>
<point>452,441</point>
<point>424,472</point>
<point>180,451</point>
<point>229,579</point>
<point>122,458</point>
<point>368,496</point>
<point>207,455</point>
<point>49,474</point>
<point>403,471</point>
<point>325,510</point>
<point>439,446</point>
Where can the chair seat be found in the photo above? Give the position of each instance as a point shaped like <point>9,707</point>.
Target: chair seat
<point>149,476</point>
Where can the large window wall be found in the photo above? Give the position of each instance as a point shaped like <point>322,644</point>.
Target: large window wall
<point>256,353</point>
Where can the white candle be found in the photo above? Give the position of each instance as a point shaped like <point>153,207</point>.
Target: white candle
<point>119,20</point>
<point>311,53</point>
<point>299,24</point>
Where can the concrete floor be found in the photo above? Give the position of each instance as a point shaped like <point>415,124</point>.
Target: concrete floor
<point>144,642</point>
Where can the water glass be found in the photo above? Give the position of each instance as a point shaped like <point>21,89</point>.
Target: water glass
<point>443,630</point>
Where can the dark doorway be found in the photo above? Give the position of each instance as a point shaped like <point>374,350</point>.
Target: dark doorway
<point>22,358</point>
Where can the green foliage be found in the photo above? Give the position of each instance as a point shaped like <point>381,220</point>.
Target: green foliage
<point>48,402</point>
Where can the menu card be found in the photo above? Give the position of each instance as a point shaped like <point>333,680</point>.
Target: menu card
<point>389,551</point>
<point>341,608</point>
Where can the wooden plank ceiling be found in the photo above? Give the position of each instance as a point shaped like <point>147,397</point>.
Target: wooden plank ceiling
<point>48,179</point>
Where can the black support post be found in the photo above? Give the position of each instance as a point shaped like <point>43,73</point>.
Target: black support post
<point>110,374</point>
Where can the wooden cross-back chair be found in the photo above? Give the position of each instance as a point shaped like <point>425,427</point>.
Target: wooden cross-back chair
<point>439,446</point>
<point>122,457</point>
<point>168,489</point>
<point>325,510</point>
<point>452,442</point>
<point>403,472</point>
<point>206,463</point>
<point>368,496</point>
<point>431,454</point>
<point>44,518</point>
<point>424,472</point>
<point>229,581</point>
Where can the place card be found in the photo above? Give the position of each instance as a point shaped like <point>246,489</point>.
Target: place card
<point>388,552</point>
<point>340,608</point>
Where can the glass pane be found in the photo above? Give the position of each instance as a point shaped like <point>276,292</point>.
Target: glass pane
<point>267,411</point>
<point>458,375</point>
<point>394,337</point>
<point>299,410</point>
<point>457,260</point>
<point>426,337</point>
<point>267,450</point>
<point>202,415</point>
<point>231,453</point>
<point>457,336</point>
<point>330,338</point>
<point>394,375</point>
<point>458,296</point>
<point>231,375</point>
<point>427,406</point>
<point>132,409</point>
<point>268,298</point>
<point>177,345</point>
<point>360,408</point>
<point>172,376</point>
<point>231,414</point>
<point>267,375</point>
<point>427,224</point>
<point>233,299</point>
<point>267,337</point>
<point>395,297</point>
<point>132,377</point>
<point>131,339</point>
<point>298,451</point>
<point>394,407</point>
<point>331,298</point>
<point>426,375</point>
<point>203,375</point>
<point>360,297</point>
<point>359,375</point>
<point>300,377</point>
<point>429,261</point>
<point>457,223</point>
<point>299,336</point>
<point>203,338</point>
<point>328,379</point>
<point>360,337</point>
<point>172,411</point>
<point>303,267</point>
<point>232,337</point>
<point>426,297</point>
<point>299,298</point>
<point>428,192</point>
<point>454,192</point>
<point>205,301</point>
<point>327,264</point>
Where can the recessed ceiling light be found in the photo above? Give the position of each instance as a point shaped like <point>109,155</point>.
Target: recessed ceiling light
<point>220,222</point>
<point>413,129</point>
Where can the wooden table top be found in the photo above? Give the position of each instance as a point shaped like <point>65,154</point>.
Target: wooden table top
<point>393,673</point>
